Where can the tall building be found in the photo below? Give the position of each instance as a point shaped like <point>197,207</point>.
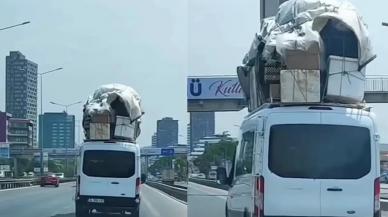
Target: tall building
<point>21,133</point>
<point>154,139</point>
<point>4,130</point>
<point>202,124</point>
<point>58,130</point>
<point>167,132</point>
<point>21,88</point>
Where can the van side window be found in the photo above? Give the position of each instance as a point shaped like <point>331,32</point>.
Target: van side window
<point>244,156</point>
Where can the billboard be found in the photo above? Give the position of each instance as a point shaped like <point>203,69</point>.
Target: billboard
<point>222,87</point>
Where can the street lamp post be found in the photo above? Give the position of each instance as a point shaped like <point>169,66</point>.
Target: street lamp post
<point>20,24</point>
<point>66,106</point>
<point>41,115</point>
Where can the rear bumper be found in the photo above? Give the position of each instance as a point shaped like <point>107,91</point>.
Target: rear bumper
<point>111,204</point>
<point>46,182</point>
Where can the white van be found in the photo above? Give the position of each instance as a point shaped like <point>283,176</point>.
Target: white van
<point>108,178</point>
<point>306,161</point>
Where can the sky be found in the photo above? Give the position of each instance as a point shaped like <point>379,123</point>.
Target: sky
<point>150,45</point>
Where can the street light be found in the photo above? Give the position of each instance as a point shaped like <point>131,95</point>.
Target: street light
<point>20,24</point>
<point>66,105</point>
<point>41,115</point>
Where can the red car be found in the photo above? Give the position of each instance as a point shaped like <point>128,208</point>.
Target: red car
<point>49,179</point>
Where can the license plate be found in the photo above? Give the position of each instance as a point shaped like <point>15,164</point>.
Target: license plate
<point>95,200</point>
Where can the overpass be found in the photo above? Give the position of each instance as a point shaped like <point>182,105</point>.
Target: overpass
<point>224,93</point>
<point>376,89</point>
<point>73,152</point>
<point>52,153</point>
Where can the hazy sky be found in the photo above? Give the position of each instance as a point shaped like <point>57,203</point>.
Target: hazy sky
<point>150,45</point>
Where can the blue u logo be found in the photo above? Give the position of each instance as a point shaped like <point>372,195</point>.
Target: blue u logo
<point>195,87</point>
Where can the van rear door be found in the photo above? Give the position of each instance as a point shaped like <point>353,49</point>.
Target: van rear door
<point>109,173</point>
<point>346,165</point>
<point>289,185</point>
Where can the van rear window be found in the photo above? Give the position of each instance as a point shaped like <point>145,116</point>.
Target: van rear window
<point>319,151</point>
<point>114,164</point>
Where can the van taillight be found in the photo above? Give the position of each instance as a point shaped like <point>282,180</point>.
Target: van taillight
<point>259,197</point>
<point>377,198</point>
<point>137,185</point>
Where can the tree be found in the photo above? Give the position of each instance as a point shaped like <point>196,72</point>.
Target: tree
<point>216,154</point>
<point>180,166</point>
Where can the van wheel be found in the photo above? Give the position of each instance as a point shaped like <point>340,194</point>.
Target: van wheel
<point>135,213</point>
<point>246,213</point>
<point>81,211</point>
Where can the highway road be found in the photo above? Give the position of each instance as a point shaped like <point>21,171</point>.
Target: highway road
<point>205,201</point>
<point>58,202</point>
<point>210,202</point>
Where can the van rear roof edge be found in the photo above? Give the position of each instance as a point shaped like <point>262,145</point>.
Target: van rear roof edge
<point>312,106</point>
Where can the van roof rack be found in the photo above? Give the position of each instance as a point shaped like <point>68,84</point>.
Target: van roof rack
<point>320,106</point>
<point>110,140</point>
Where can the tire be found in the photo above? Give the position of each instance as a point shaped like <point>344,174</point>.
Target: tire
<point>135,213</point>
<point>41,185</point>
<point>81,211</point>
<point>57,185</point>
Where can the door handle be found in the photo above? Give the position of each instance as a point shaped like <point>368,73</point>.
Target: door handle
<point>334,189</point>
<point>115,183</point>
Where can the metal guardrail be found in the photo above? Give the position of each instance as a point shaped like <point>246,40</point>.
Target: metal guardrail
<point>19,183</point>
<point>178,192</point>
<point>7,184</point>
<point>376,84</point>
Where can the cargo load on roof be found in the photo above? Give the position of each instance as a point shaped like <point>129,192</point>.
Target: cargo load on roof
<point>307,36</point>
<point>113,112</point>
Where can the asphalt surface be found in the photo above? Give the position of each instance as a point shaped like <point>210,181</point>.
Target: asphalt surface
<point>210,202</point>
<point>58,202</point>
<point>205,201</point>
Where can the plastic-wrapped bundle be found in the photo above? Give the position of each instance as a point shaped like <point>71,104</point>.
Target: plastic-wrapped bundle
<point>113,111</point>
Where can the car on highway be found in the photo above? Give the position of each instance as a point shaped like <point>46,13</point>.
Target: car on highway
<point>60,175</point>
<point>316,160</point>
<point>201,176</point>
<point>212,175</point>
<point>108,178</point>
<point>49,179</point>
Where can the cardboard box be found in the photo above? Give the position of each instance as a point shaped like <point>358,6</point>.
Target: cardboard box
<point>99,131</point>
<point>100,118</point>
<point>124,128</point>
<point>300,86</point>
<point>345,84</point>
<point>297,59</point>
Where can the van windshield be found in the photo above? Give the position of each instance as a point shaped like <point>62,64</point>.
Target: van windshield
<point>319,151</point>
<point>103,163</point>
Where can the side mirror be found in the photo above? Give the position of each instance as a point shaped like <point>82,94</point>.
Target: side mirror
<point>143,178</point>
